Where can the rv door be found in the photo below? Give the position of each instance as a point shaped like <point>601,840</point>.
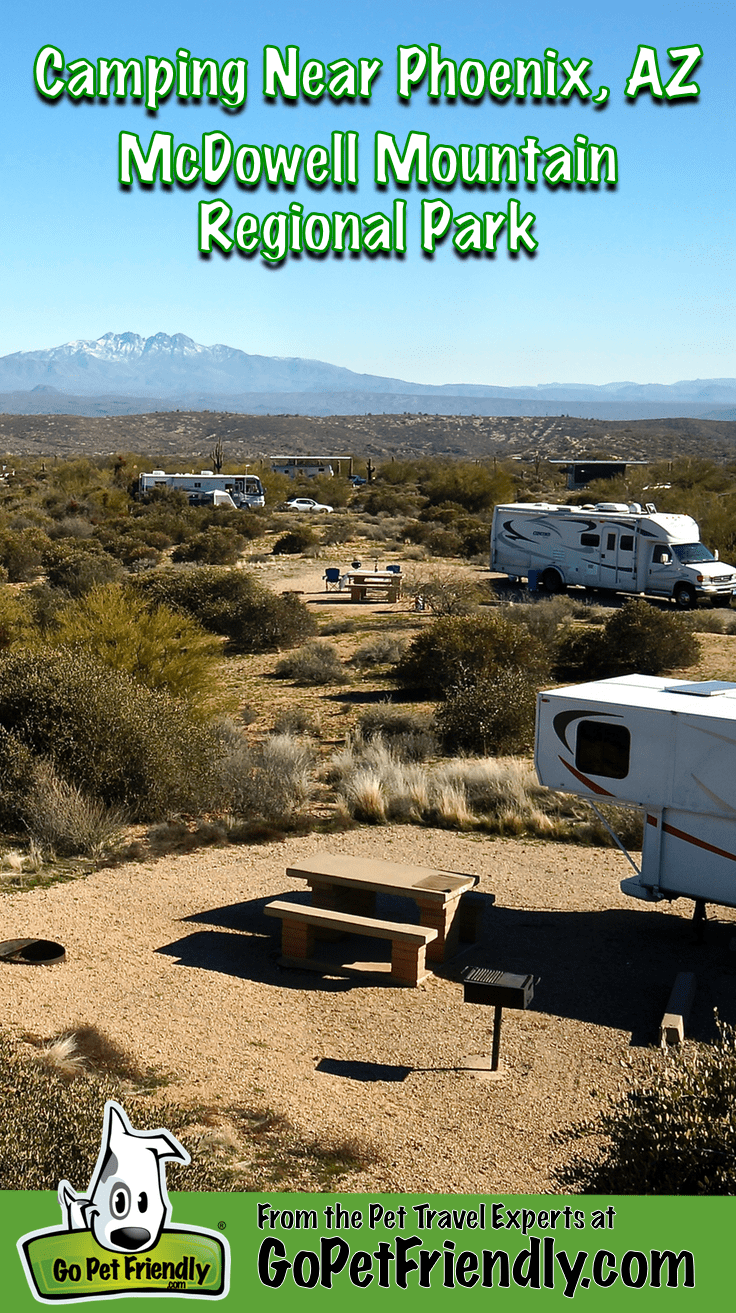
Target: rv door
<point>617,557</point>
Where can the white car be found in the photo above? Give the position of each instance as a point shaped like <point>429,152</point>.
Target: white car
<point>308,504</point>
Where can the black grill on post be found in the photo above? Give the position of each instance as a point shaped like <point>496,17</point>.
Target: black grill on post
<point>499,990</point>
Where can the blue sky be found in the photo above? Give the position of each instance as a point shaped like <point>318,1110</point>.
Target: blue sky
<point>627,283</point>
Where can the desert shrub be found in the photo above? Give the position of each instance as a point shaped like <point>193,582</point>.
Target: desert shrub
<point>314,663</point>
<point>379,650</point>
<point>295,541</point>
<point>270,781</point>
<point>382,499</point>
<point>475,537</point>
<point>231,603</point>
<point>475,487</point>
<point>543,618</point>
<point>409,734</point>
<point>64,821</point>
<point>126,745</point>
<point>296,720</point>
<point>70,526</point>
<point>346,626</point>
<point>489,716</point>
<point>459,649</point>
<point>443,542</point>
<point>672,1132</point>
<point>443,590</point>
<point>216,546</point>
<point>15,620</point>
<point>706,621</point>
<point>55,1129</point>
<point>160,648</point>
<point>22,552</point>
<point>76,566</point>
<point>340,529</point>
<point>637,639</point>
<point>16,772</point>
<point>416,531</point>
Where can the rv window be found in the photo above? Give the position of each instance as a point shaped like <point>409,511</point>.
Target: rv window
<point>589,540</point>
<point>603,749</point>
<point>627,542</point>
<point>611,542</point>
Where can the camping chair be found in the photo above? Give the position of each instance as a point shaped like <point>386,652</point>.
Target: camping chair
<point>393,569</point>
<point>332,577</point>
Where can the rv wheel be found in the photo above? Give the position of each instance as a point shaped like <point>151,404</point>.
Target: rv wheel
<point>684,597</point>
<point>553,582</point>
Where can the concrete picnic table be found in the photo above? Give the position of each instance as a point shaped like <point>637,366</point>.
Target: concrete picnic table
<point>363,582</point>
<point>350,884</point>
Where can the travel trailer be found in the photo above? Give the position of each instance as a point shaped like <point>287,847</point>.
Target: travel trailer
<point>667,746</point>
<point>246,490</point>
<point>612,545</point>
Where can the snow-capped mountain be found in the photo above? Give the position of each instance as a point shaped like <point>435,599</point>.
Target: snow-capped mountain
<point>173,367</point>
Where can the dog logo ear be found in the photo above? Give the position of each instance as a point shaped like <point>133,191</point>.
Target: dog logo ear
<point>165,1145</point>
<point>118,1134</point>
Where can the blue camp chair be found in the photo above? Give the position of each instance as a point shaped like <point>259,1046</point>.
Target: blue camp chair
<point>332,577</point>
<point>393,569</point>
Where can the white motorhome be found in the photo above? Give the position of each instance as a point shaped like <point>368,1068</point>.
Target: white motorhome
<point>667,746</point>
<point>612,545</point>
<point>246,490</point>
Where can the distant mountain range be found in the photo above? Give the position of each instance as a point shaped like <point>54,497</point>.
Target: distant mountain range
<point>122,372</point>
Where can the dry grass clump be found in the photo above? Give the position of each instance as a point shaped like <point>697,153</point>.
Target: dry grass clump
<point>270,781</point>
<point>297,720</point>
<point>498,794</point>
<point>65,822</point>
<point>381,650</point>
<point>409,733</point>
<point>314,663</point>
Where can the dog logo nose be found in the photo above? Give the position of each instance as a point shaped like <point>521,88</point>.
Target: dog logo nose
<point>131,1237</point>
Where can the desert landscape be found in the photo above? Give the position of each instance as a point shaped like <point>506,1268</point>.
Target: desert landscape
<point>333,741</point>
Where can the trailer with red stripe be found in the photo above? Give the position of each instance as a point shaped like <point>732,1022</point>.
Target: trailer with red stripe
<point>667,746</point>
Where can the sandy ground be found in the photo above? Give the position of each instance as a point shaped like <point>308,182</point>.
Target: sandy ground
<point>175,960</point>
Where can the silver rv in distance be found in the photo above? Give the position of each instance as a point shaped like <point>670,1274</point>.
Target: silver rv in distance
<point>245,489</point>
<point>608,546</point>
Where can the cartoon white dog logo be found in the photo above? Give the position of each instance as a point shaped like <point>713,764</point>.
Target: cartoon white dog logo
<point>126,1206</point>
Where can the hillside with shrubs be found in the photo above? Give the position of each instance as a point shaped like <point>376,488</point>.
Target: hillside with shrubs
<point>159,675</point>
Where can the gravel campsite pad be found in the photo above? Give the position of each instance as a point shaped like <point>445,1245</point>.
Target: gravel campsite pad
<point>174,960</point>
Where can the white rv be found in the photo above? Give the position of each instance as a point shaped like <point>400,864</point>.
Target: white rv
<point>245,490</point>
<point>608,546</point>
<point>667,746</point>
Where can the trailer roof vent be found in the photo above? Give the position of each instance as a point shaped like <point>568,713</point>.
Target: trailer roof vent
<point>704,688</point>
<point>159,472</point>
<point>612,506</point>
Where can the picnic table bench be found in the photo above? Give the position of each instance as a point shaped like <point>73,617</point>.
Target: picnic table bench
<point>300,922</point>
<point>348,885</point>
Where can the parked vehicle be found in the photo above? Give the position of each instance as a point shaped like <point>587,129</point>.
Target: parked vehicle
<point>611,546</point>
<point>308,504</point>
<point>245,490</point>
<point>666,745</point>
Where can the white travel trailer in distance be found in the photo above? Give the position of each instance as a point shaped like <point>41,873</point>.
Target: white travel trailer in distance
<point>667,746</point>
<point>246,490</point>
<point>609,546</point>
